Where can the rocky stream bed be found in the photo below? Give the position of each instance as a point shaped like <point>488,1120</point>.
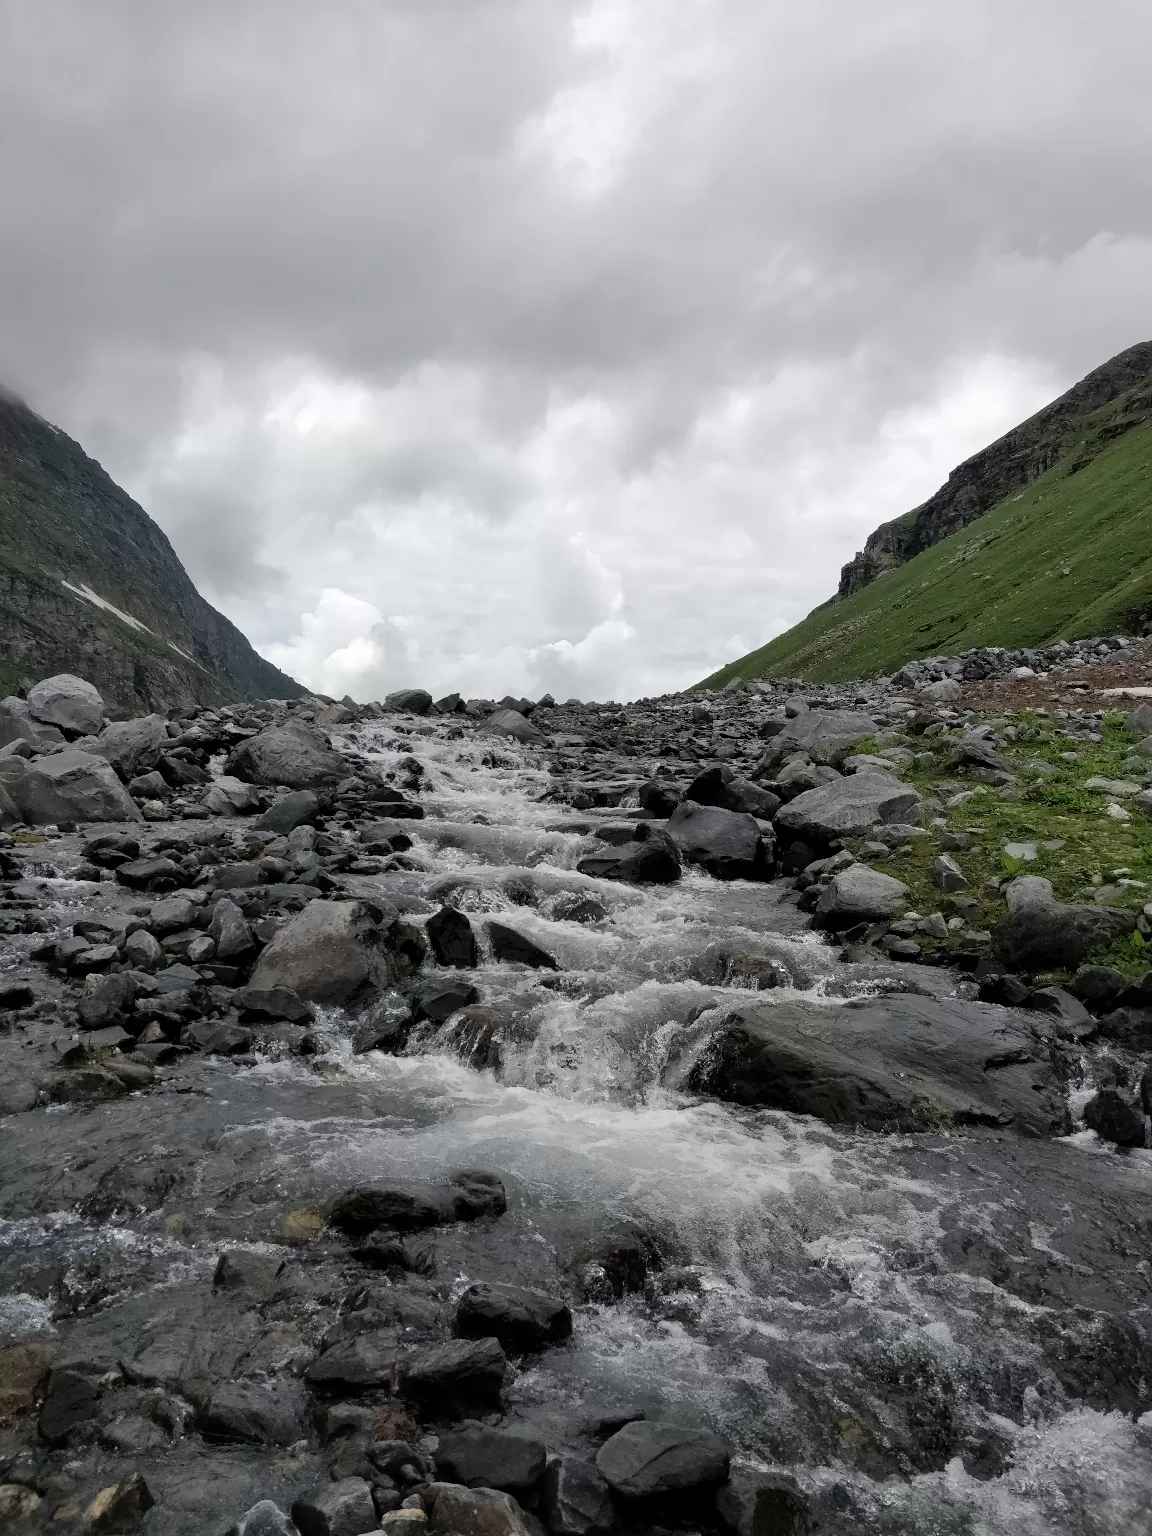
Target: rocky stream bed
<point>504,1118</point>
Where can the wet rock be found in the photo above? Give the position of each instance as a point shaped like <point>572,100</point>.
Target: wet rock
<point>24,1373</point>
<point>366,1362</point>
<point>334,951</point>
<point>470,1194</point>
<point>460,1511</point>
<point>646,1460</point>
<point>85,1085</point>
<point>515,948</point>
<point>271,1004</point>
<point>576,1499</point>
<point>17,1503</point>
<point>133,747</point>
<point>655,860</point>
<point>720,787</point>
<point>763,1504</point>
<point>510,723</point>
<point>859,895</point>
<point>291,811</point>
<point>452,940</point>
<point>16,1098</point>
<point>479,1034</point>
<point>438,1001</point>
<point>659,797</point>
<point>1098,985</point>
<point>242,1270</point>
<point>465,1371</point>
<point>894,1063</point>
<point>154,872</point>
<point>480,1457</point>
<point>846,808</point>
<point>253,1414</point>
<point>296,755</point>
<point>68,786</point>
<point>1061,1005</point>
<point>344,1508</point>
<point>1041,933</point>
<point>520,1318</point>
<point>120,1507</point>
<point>15,994</point>
<point>70,1402</point>
<point>728,844</point>
<point>69,703</point>
<point>1115,1117</point>
<point>218,1038</point>
<point>574,908</point>
<point>265,1519</point>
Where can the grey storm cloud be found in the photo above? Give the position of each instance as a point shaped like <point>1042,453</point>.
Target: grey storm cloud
<point>493,342</point>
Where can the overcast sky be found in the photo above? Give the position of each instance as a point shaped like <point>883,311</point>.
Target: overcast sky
<point>505,345</point>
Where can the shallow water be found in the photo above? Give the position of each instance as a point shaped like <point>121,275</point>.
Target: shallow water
<point>887,1317</point>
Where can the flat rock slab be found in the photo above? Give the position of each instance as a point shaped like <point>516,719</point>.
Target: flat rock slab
<point>846,807</point>
<point>890,1064</point>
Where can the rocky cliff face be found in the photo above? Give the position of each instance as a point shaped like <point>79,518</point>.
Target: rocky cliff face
<point>1060,430</point>
<point>89,584</point>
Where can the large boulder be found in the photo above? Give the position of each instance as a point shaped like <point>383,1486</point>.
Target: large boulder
<point>66,786</point>
<point>825,734</point>
<point>577,1500</point>
<point>457,1511</point>
<point>69,703</point>
<point>16,722</point>
<point>653,859</point>
<point>729,844</point>
<point>892,1063</point>
<point>646,1460</point>
<point>846,808</point>
<point>1041,933</point>
<point>520,1318</point>
<point>335,951</point>
<point>480,1457</point>
<point>227,796</point>
<point>719,786</point>
<point>410,701</point>
<point>296,755</point>
<point>511,723</point>
<point>466,1371</point>
<point>859,895</point>
<point>133,747</point>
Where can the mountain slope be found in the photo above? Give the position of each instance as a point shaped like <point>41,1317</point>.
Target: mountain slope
<point>1069,554</point>
<point>89,584</point>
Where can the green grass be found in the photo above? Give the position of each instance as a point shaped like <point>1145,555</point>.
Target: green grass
<point>1069,556</point>
<point>1053,809</point>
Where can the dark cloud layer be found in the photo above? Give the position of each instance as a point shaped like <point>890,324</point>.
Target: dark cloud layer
<point>502,343</point>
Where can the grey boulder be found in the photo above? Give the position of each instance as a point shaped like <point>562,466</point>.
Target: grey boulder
<point>893,1063</point>
<point>763,1504</point>
<point>344,1508</point>
<point>457,1511</point>
<point>335,951</point>
<point>411,701</point>
<point>296,755</point>
<point>846,807</point>
<point>296,810</point>
<point>859,894</point>
<point>264,1519</point>
<point>229,796</point>
<point>480,1457</point>
<point>469,1371</point>
<point>66,786</point>
<point>520,1318</point>
<point>646,1460</point>
<point>69,703</point>
<point>255,1414</point>
<point>653,859</point>
<point>576,1499</point>
<point>825,734</point>
<point>133,747</point>
<point>730,845</point>
<point>511,724</point>
<point>1041,933</point>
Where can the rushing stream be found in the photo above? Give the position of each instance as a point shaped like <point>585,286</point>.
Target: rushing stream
<point>876,1314</point>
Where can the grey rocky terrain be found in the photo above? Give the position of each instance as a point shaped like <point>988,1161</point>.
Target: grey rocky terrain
<point>507,1117</point>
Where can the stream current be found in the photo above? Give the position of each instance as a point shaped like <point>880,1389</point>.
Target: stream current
<point>930,1333</point>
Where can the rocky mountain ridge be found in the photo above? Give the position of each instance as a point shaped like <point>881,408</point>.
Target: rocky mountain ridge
<point>1067,426</point>
<point>89,583</point>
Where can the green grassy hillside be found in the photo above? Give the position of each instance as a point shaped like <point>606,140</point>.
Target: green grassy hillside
<point>1070,555</point>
